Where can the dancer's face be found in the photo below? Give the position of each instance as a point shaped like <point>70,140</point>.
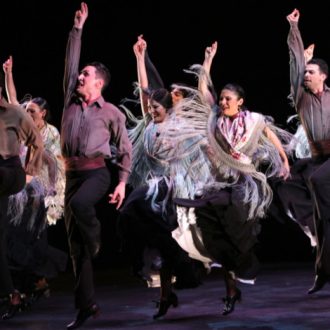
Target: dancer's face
<point>157,111</point>
<point>177,95</point>
<point>36,113</point>
<point>313,77</point>
<point>230,102</point>
<point>88,82</point>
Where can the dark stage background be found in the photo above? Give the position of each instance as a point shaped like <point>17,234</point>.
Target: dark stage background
<point>252,51</point>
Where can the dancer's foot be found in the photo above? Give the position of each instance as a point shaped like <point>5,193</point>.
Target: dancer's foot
<point>15,304</point>
<point>230,301</point>
<point>165,304</point>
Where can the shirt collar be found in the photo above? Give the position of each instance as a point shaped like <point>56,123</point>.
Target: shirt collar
<point>99,101</point>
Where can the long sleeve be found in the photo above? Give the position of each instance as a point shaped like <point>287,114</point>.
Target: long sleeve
<point>72,59</point>
<point>123,145</point>
<point>30,134</point>
<point>297,61</point>
<point>154,79</point>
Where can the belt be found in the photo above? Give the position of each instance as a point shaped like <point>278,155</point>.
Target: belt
<point>83,163</point>
<point>320,148</point>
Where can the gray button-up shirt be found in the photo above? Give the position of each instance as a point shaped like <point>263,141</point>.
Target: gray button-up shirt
<point>314,110</point>
<point>87,131</point>
<point>16,126</point>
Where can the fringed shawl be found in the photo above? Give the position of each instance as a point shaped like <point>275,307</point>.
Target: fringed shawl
<point>139,168</point>
<point>302,149</point>
<point>54,203</point>
<point>40,189</point>
<point>238,164</point>
<point>173,151</point>
<point>300,143</point>
<point>177,156</point>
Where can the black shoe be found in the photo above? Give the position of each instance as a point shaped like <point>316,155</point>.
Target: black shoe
<point>319,283</point>
<point>14,306</point>
<point>83,315</point>
<point>40,292</point>
<point>11,311</point>
<point>230,302</point>
<point>164,305</point>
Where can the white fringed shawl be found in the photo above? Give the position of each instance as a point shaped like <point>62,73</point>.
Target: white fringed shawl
<point>40,186</point>
<point>173,151</point>
<point>237,159</point>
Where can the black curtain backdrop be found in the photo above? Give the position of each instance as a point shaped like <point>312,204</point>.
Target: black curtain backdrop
<point>252,51</point>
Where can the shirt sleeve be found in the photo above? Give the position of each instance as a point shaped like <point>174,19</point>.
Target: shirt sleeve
<point>123,145</point>
<point>30,134</point>
<point>297,61</point>
<point>72,58</point>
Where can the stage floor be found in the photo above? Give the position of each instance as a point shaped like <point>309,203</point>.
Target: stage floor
<point>277,301</point>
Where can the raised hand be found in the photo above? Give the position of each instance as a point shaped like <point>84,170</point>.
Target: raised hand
<point>294,16</point>
<point>81,16</point>
<point>140,47</point>
<point>8,65</point>
<point>211,51</point>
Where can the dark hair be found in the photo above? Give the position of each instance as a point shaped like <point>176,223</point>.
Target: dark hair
<point>238,90</point>
<point>43,104</point>
<point>163,97</point>
<point>102,72</point>
<point>322,64</point>
<point>183,88</point>
<point>235,88</point>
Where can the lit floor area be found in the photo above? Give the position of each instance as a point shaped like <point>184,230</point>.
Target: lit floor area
<point>278,300</point>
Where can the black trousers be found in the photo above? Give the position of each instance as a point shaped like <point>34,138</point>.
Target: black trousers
<point>83,190</point>
<point>307,196</point>
<point>12,180</point>
<point>140,227</point>
<point>319,183</point>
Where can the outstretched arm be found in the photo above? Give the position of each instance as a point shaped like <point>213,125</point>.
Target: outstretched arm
<point>139,49</point>
<point>72,56</point>
<point>297,55</point>
<point>204,80</point>
<point>278,145</point>
<point>9,81</point>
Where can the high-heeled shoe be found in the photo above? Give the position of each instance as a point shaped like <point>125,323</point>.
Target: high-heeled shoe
<point>40,292</point>
<point>229,305</point>
<point>14,306</point>
<point>83,314</point>
<point>319,282</point>
<point>165,304</point>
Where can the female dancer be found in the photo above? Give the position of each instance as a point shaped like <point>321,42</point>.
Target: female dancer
<point>168,160</point>
<point>37,206</point>
<point>244,150</point>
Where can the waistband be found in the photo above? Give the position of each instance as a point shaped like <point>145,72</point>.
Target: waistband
<point>12,161</point>
<point>320,148</point>
<point>83,163</point>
